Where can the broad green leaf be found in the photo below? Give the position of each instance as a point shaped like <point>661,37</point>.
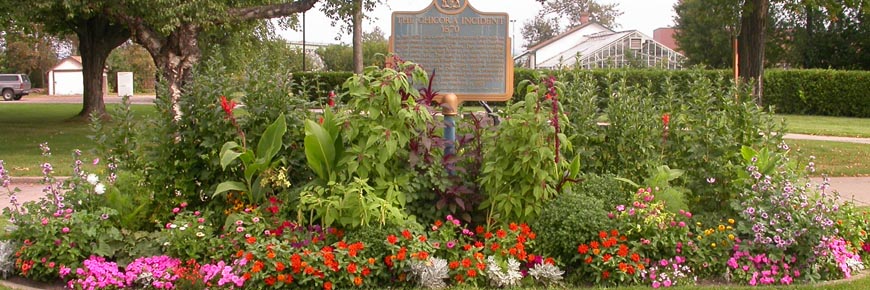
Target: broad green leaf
<point>229,185</point>
<point>319,150</point>
<point>228,153</point>
<point>272,139</point>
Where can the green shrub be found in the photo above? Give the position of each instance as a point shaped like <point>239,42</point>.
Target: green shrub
<point>181,158</point>
<point>576,216</point>
<point>818,92</point>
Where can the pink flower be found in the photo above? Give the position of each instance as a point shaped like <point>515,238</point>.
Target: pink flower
<point>200,220</point>
<point>65,230</point>
<point>184,204</point>
<point>197,213</point>
<point>667,283</point>
<point>656,284</point>
<point>240,229</point>
<point>682,224</point>
<point>96,161</point>
<point>663,262</point>
<point>44,221</point>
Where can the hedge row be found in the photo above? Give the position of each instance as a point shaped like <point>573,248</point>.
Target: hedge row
<point>804,92</point>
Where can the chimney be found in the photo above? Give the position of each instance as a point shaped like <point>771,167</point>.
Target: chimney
<point>584,18</point>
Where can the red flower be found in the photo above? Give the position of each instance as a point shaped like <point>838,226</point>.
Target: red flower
<point>614,233</point>
<point>270,281</point>
<point>327,285</point>
<point>666,119</point>
<point>351,268</point>
<point>453,265</point>
<point>513,227</point>
<point>392,239</point>
<point>228,106</point>
<point>501,233</point>
<point>594,244</point>
<point>479,230</point>
<point>605,275</point>
<point>279,266</point>
<point>331,99</point>
<point>583,249</point>
<point>635,257</point>
<point>406,234</point>
<point>606,257</point>
<point>588,260</point>
<point>602,235</point>
<point>471,273</point>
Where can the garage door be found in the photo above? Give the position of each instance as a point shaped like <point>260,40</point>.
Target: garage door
<point>68,83</point>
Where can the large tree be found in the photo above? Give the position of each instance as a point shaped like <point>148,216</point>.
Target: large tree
<point>571,10</point>
<point>539,29</point>
<point>349,14</point>
<point>97,36</point>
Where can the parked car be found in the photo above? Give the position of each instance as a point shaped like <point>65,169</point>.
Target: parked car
<point>14,86</point>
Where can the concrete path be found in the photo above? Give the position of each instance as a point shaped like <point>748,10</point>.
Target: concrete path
<point>77,99</point>
<point>826,138</point>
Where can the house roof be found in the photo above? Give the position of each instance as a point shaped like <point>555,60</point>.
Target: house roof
<point>75,60</point>
<point>592,43</point>
<point>560,36</point>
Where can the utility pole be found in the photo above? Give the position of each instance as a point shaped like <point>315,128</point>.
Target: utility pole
<point>513,36</point>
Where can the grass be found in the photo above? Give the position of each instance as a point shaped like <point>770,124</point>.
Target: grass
<point>827,126</point>
<point>836,158</point>
<point>28,125</point>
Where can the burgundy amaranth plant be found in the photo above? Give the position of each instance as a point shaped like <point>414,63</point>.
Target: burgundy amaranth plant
<point>553,97</point>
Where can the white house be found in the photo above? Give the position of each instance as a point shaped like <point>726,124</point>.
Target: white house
<point>591,45</point>
<point>66,77</point>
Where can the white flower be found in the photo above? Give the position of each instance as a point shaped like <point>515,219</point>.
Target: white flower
<point>93,179</point>
<point>173,226</point>
<point>200,234</point>
<point>100,188</point>
<point>182,228</point>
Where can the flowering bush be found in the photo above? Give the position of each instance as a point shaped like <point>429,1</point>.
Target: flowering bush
<point>610,260</point>
<point>158,272</point>
<point>709,248</point>
<point>188,236</point>
<point>669,272</point>
<point>761,269</point>
<point>55,230</point>
<point>834,259</point>
<point>646,222</point>
<point>783,214</point>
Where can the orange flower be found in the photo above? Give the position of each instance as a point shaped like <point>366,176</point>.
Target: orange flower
<point>471,273</point>
<point>453,265</point>
<point>371,261</point>
<point>251,240</point>
<point>270,255</point>
<point>258,266</point>
<point>466,263</point>
<point>583,249</point>
<point>357,281</point>
<point>550,261</point>
<point>596,251</point>
<point>438,223</point>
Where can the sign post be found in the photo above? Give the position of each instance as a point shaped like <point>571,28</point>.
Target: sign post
<point>469,49</point>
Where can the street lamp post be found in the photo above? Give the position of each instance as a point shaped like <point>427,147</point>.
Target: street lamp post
<point>513,35</point>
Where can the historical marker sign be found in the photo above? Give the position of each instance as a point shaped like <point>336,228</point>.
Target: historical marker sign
<point>468,49</point>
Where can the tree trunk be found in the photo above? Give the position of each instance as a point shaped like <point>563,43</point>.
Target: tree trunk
<point>175,61</point>
<point>357,37</point>
<point>97,38</point>
<point>752,38</point>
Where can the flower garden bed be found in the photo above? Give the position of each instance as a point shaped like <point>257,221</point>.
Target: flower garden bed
<point>369,195</point>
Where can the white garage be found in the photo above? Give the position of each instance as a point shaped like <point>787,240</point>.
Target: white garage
<point>66,78</point>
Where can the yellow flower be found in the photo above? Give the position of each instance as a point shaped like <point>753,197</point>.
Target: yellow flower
<point>731,221</point>
<point>721,228</point>
<point>713,245</point>
<point>729,228</point>
<point>731,237</point>
<point>698,223</point>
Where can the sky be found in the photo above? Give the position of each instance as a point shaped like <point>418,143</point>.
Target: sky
<point>642,15</point>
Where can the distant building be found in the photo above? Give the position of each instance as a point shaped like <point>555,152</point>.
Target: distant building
<point>591,45</point>
<point>66,78</point>
<point>665,36</point>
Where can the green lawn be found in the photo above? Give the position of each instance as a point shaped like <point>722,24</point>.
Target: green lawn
<point>835,158</point>
<point>828,126</point>
<point>28,125</point>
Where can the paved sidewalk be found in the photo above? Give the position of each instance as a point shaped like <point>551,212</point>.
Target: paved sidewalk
<point>826,138</point>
